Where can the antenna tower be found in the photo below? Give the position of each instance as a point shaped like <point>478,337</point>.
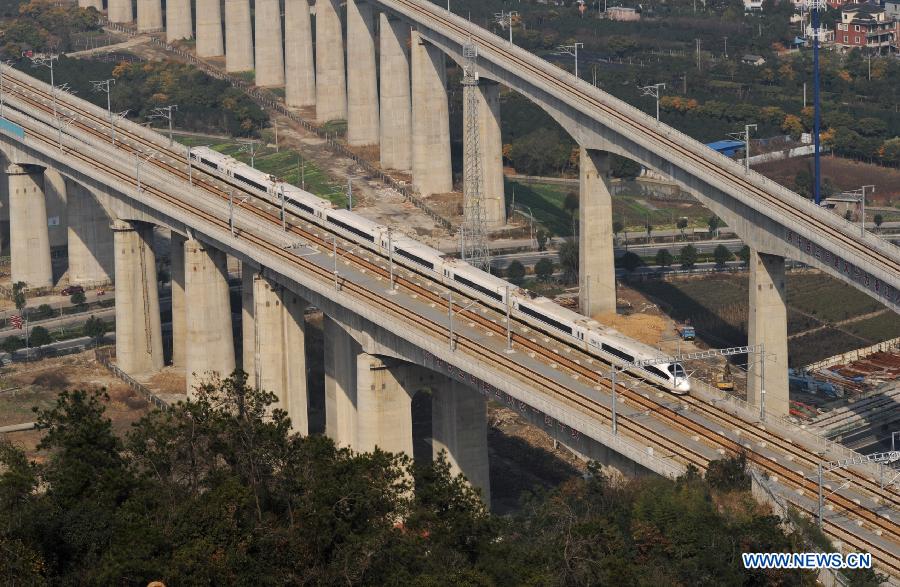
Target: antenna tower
<point>473,235</point>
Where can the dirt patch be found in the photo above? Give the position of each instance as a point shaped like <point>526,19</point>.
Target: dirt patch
<point>845,174</point>
<point>647,328</point>
<point>37,385</point>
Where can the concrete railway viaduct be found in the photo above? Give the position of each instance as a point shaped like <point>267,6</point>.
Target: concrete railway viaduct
<point>382,349</point>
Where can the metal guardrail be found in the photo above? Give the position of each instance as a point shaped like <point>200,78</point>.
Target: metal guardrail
<point>104,356</point>
<point>266,101</point>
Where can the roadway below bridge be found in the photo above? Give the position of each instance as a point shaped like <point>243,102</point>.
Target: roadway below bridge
<point>556,383</point>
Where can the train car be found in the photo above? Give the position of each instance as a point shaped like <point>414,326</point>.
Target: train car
<point>613,345</point>
<point>413,254</point>
<point>459,274</point>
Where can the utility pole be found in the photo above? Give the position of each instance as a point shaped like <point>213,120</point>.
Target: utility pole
<point>47,61</point>
<point>816,5</point>
<point>166,113</point>
<point>570,50</point>
<point>745,137</point>
<point>726,47</point>
<point>251,147</point>
<point>505,19</point>
<point>698,54</point>
<point>653,90</point>
<point>105,86</point>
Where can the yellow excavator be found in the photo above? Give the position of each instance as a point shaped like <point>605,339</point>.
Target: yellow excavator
<point>724,380</point>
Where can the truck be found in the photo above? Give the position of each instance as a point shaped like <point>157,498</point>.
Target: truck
<point>686,332</point>
<point>724,380</point>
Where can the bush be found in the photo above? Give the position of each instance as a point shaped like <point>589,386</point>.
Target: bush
<point>39,336</point>
<point>544,269</point>
<point>630,261</point>
<point>664,258</point>
<point>729,474</point>
<point>11,344</point>
<point>722,255</point>
<point>688,256</point>
<point>515,272</point>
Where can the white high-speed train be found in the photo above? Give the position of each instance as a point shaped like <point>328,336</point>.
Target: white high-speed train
<point>541,313</point>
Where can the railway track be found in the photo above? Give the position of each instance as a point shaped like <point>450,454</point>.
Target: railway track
<point>487,40</point>
<point>583,404</point>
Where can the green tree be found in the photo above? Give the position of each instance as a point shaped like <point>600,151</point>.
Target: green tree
<point>568,259</point>
<point>623,167</point>
<point>649,228</point>
<point>570,204</point>
<point>664,258</point>
<point>515,272</point>
<point>682,224</point>
<point>688,256</point>
<point>542,238</point>
<point>630,261</point>
<point>19,295</point>
<point>722,255</point>
<point>43,312</point>
<point>714,223</point>
<point>744,255</point>
<point>729,474</point>
<point>39,337</point>
<point>95,328</point>
<point>11,344</point>
<point>544,269</point>
<point>879,220</point>
<point>78,299</point>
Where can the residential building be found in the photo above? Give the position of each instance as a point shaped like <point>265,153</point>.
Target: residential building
<point>623,14</point>
<point>756,60</point>
<point>864,26</point>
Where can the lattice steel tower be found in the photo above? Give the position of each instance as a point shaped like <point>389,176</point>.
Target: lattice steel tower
<point>473,235</point>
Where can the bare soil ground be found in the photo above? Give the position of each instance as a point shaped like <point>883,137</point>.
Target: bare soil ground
<point>38,384</point>
<point>846,174</point>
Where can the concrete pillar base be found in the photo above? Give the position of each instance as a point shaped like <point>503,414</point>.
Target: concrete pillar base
<point>459,427</point>
<point>384,406</point>
<point>179,20</point>
<point>210,343</point>
<point>767,326</point>
<point>432,171</point>
<point>280,349</point>
<point>179,306</point>
<point>209,29</point>
<point>238,36</point>
<point>341,352</point>
<point>596,263</point>
<point>490,147</point>
<point>138,330</point>
<point>396,105</point>
<point>362,76</point>
<point>269,48</point>
<point>28,234</point>
<point>91,256</point>
<point>149,16</point>
<point>300,69</point>
<point>120,11</point>
<point>331,81</point>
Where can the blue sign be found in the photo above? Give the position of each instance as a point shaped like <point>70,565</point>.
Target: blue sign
<point>12,128</point>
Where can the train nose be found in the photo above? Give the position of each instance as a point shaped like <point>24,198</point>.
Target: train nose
<point>683,385</point>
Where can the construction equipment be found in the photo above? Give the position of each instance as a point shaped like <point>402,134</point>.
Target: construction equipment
<point>724,380</point>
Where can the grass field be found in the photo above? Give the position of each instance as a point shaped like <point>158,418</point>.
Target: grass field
<point>717,305</point>
<point>546,201</point>
<point>284,164</point>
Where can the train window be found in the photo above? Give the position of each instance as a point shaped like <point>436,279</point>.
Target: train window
<point>353,229</point>
<point>614,351</point>
<point>676,369</point>
<point>546,319</point>
<point>250,182</point>
<point>480,288</point>
<point>302,206</point>
<point>414,258</point>
<point>208,162</point>
<point>656,371</point>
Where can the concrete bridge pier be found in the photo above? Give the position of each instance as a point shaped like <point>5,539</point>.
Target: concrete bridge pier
<point>120,11</point>
<point>384,406</point>
<point>490,146</point>
<point>279,349</point>
<point>341,368</point>
<point>459,427</point>
<point>179,20</point>
<point>209,29</point>
<point>238,36</point>
<point>596,264</point>
<point>139,347</point>
<point>362,80</point>
<point>209,347</point>
<point>90,240</point>
<point>179,308</point>
<point>767,325</point>
<point>431,161</point>
<point>331,82</point>
<point>396,108</point>
<point>149,16</point>
<point>300,69</point>
<point>28,234</point>
<point>269,48</point>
